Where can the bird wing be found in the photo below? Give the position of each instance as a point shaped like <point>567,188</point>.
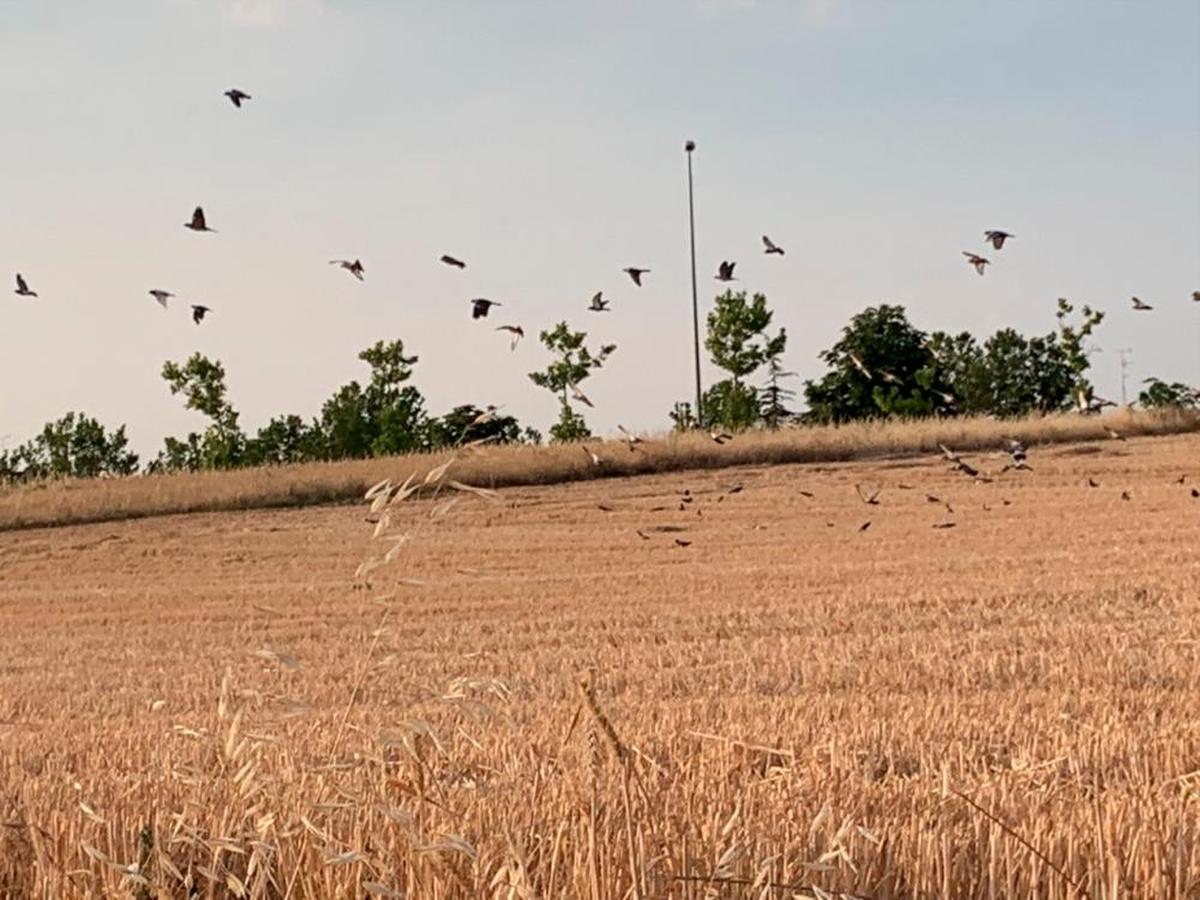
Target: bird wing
<point>769,244</point>
<point>198,218</point>
<point>21,285</point>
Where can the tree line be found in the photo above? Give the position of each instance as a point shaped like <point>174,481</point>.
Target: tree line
<point>882,366</point>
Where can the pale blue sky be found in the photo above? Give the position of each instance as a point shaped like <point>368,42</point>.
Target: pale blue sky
<point>542,142</point>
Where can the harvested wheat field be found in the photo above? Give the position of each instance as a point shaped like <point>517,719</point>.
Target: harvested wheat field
<point>757,696</point>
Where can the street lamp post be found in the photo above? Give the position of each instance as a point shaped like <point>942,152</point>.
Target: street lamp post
<point>688,148</point>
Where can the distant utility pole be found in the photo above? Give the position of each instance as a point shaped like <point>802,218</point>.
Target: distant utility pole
<point>688,148</point>
<point>1123,356</point>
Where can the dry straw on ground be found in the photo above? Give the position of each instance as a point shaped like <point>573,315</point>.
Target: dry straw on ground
<point>532,701</point>
<point>101,500</point>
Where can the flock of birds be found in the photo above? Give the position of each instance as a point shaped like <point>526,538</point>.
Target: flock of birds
<point>482,306</point>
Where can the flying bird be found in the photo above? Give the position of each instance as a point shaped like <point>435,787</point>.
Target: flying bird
<point>720,437</point>
<point>629,437</point>
<point>725,271</point>
<point>858,364</point>
<point>977,261</point>
<point>516,331</point>
<point>451,261</point>
<point>1139,305</point>
<point>599,304</point>
<point>595,460</point>
<point>199,312</point>
<point>997,238</point>
<point>889,377</point>
<point>871,499</point>
<point>355,268</point>
<point>22,288</point>
<point>636,274</point>
<point>161,296</point>
<point>771,247</point>
<point>480,307</point>
<point>198,223</point>
<point>1196,296</point>
<point>236,97</point>
<point>580,395</point>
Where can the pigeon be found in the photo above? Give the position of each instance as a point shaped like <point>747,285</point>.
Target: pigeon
<point>199,312</point>
<point>236,97</point>
<point>516,331</point>
<point>629,437</point>
<point>162,297</point>
<point>889,377</point>
<point>1196,296</point>
<point>680,542</point>
<point>997,238</point>
<point>1114,434</point>
<point>865,525</point>
<point>480,307</point>
<point>599,304</point>
<point>22,288</point>
<point>595,460</point>
<point>451,261</point>
<point>1092,482</point>
<point>198,223</point>
<point>1017,451</point>
<point>977,261</point>
<point>725,271</point>
<point>1195,493</point>
<point>947,398</point>
<point>945,525</point>
<point>858,364</point>
<point>1139,305</point>
<point>1125,495</point>
<point>642,535</point>
<point>720,437</point>
<point>354,268</point>
<point>486,416</point>
<point>580,396</point>
<point>871,499</point>
<point>771,246</point>
<point>636,274</point>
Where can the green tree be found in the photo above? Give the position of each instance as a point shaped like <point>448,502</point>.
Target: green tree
<point>773,397</point>
<point>387,416</point>
<point>573,365</point>
<point>74,446</point>
<point>1072,339</point>
<point>201,381</point>
<point>737,341</point>
<point>894,354</point>
<point>283,440</point>
<point>462,424</point>
<point>1159,394</point>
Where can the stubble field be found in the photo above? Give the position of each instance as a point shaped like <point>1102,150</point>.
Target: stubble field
<point>534,700</point>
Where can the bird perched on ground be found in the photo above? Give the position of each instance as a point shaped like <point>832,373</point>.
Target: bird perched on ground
<point>858,364</point>
<point>516,331</point>
<point>1017,451</point>
<point>771,247</point>
<point>161,296</point>
<point>237,96</point>
<point>451,261</point>
<point>636,274</point>
<point>599,304</point>
<point>199,312</point>
<point>997,238</point>
<point>1139,305</point>
<point>480,307</point>
<point>23,288</point>
<point>1114,434</point>
<point>977,261</point>
<point>355,268</point>
<point>198,223</point>
<point>580,395</point>
<point>725,271</point>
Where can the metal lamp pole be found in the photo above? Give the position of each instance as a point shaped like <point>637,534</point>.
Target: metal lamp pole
<point>688,148</point>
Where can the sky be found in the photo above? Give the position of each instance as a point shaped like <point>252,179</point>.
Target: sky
<point>542,142</point>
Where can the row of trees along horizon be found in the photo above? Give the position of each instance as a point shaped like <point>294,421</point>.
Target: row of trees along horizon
<point>928,374</point>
